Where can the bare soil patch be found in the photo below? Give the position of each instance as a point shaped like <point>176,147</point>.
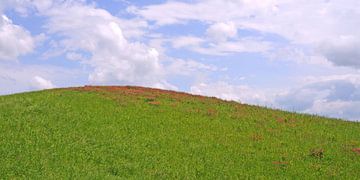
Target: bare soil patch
<point>356,150</point>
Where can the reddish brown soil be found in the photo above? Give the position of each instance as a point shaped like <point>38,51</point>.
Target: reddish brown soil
<point>280,120</point>
<point>212,112</point>
<point>147,92</point>
<point>356,150</point>
<point>154,103</point>
<point>288,122</point>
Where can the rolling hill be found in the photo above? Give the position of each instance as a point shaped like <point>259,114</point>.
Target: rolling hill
<point>133,132</point>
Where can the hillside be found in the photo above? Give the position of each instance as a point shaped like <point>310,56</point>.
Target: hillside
<point>134,132</point>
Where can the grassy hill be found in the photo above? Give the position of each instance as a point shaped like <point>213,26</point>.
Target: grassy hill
<point>133,132</point>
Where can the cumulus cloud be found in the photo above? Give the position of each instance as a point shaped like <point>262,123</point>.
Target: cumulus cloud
<point>17,77</point>
<point>345,51</point>
<point>14,40</point>
<point>41,83</point>
<point>339,109</point>
<point>335,96</point>
<point>113,58</point>
<point>221,31</point>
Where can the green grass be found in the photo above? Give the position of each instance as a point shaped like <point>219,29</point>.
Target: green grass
<point>129,132</point>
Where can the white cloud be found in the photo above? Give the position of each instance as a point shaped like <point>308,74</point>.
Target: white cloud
<point>291,53</point>
<point>315,20</point>
<point>223,90</point>
<point>244,45</point>
<point>344,51</point>
<point>16,77</point>
<point>14,40</point>
<point>335,96</point>
<point>41,83</point>
<point>18,5</point>
<point>220,47</point>
<point>338,109</point>
<point>220,32</point>
<point>186,41</point>
<point>188,67</point>
<point>307,23</point>
<point>113,58</point>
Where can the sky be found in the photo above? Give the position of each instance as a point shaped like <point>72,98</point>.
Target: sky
<point>301,55</point>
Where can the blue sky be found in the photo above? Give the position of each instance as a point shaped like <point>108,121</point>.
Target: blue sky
<point>300,56</point>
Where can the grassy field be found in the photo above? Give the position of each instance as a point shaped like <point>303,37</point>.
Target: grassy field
<point>132,132</point>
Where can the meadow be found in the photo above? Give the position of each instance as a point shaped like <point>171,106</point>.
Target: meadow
<point>134,132</point>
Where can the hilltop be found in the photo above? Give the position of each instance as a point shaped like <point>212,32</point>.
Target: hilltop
<point>135,132</point>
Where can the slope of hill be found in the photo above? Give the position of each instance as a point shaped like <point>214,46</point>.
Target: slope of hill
<point>133,132</point>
